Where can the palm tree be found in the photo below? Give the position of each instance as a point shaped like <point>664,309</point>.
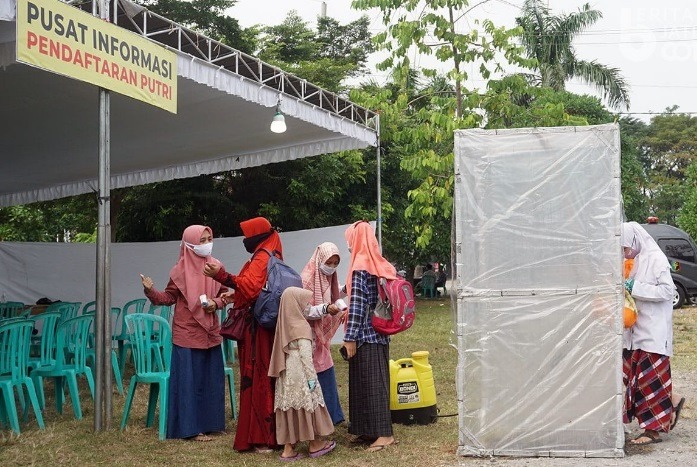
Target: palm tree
<point>548,39</point>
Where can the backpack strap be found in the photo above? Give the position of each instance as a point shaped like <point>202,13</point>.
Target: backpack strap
<point>382,289</point>
<point>271,253</point>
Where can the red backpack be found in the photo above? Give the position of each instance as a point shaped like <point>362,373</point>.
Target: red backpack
<point>395,310</point>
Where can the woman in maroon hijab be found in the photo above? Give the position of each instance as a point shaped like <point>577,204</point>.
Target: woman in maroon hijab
<point>196,404</point>
<point>256,426</point>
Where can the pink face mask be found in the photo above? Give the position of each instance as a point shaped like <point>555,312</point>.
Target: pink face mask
<point>630,253</point>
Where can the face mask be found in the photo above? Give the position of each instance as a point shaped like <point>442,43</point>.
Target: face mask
<point>631,254</point>
<point>201,250</point>
<point>327,270</point>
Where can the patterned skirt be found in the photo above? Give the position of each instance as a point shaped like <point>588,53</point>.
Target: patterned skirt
<point>648,389</point>
<point>369,391</point>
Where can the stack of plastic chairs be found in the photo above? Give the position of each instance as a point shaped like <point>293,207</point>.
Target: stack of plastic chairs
<point>91,356</point>
<point>72,342</point>
<point>67,310</point>
<point>11,310</point>
<point>151,359</point>
<point>228,348</point>
<point>122,338</point>
<point>46,343</point>
<point>15,341</point>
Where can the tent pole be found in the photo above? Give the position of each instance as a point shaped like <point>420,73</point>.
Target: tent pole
<point>379,226</point>
<point>102,325</point>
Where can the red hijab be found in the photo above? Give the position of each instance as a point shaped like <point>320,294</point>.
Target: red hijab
<point>252,276</point>
<point>186,273</point>
<point>365,254</point>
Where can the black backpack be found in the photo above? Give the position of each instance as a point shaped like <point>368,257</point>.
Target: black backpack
<point>279,276</point>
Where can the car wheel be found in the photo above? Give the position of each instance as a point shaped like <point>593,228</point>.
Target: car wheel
<point>679,298</point>
<point>693,300</point>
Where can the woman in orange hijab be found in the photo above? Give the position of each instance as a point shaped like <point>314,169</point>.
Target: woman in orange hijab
<point>368,352</point>
<point>256,427</point>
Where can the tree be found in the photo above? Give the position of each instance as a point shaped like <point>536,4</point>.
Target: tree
<point>207,17</point>
<point>420,128</point>
<point>687,219</point>
<point>325,57</point>
<point>549,40</point>
<point>666,150</point>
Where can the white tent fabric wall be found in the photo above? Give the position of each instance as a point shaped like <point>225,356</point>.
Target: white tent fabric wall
<point>65,271</point>
<point>539,286</point>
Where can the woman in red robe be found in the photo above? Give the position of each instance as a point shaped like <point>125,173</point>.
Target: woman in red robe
<point>256,426</point>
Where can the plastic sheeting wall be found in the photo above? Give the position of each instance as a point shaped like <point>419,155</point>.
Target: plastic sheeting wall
<point>539,292</point>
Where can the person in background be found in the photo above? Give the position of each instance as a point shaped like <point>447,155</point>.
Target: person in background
<point>319,277</point>
<point>368,352</point>
<point>256,428</point>
<point>648,344</point>
<point>301,414</point>
<point>196,405</point>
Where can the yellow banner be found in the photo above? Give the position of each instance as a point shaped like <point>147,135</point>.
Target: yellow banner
<point>60,38</point>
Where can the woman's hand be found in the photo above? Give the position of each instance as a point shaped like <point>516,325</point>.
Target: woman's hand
<point>332,309</point>
<point>350,348</point>
<point>211,269</point>
<point>147,282</point>
<point>228,297</point>
<point>210,308</point>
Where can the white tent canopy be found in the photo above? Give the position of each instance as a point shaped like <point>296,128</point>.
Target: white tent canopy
<point>50,131</point>
<point>226,99</point>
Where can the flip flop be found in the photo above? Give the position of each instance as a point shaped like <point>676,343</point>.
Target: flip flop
<point>296,457</point>
<point>677,410</point>
<point>380,447</point>
<point>325,450</point>
<point>363,440</point>
<point>201,438</point>
<point>652,439</point>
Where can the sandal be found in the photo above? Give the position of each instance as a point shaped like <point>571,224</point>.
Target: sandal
<point>380,447</point>
<point>651,436</point>
<point>362,439</point>
<point>328,447</point>
<point>677,410</point>
<point>296,457</point>
<point>201,438</point>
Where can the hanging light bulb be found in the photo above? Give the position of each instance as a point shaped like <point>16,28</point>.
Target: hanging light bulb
<point>278,124</point>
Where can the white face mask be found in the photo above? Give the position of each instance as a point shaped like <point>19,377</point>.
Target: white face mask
<point>327,270</point>
<point>201,250</point>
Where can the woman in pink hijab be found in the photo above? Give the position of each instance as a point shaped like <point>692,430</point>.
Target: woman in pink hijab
<point>319,277</point>
<point>368,352</point>
<point>196,403</point>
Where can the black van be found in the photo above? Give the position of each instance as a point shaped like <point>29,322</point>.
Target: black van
<point>682,253</point>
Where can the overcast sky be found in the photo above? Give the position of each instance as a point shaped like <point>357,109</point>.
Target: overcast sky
<point>653,43</point>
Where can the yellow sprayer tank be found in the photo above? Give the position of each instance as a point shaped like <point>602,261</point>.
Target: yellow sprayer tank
<point>412,390</point>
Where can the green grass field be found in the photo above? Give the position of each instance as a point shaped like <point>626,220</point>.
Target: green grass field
<point>68,441</point>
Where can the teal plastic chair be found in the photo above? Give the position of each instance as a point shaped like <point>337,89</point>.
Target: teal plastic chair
<point>46,347</point>
<point>230,377</point>
<point>11,309</point>
<point>15,342</point>
<point>67,310</point>
<point>428,286</point>
<point>228,349</point>
<point>91,355</point>
<point>89,307</point>
<point>70,361</point>
<point>122,339</point>
<point>151,359</point>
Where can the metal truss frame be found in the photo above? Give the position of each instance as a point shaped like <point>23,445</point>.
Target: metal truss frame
<point>141,21</point>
